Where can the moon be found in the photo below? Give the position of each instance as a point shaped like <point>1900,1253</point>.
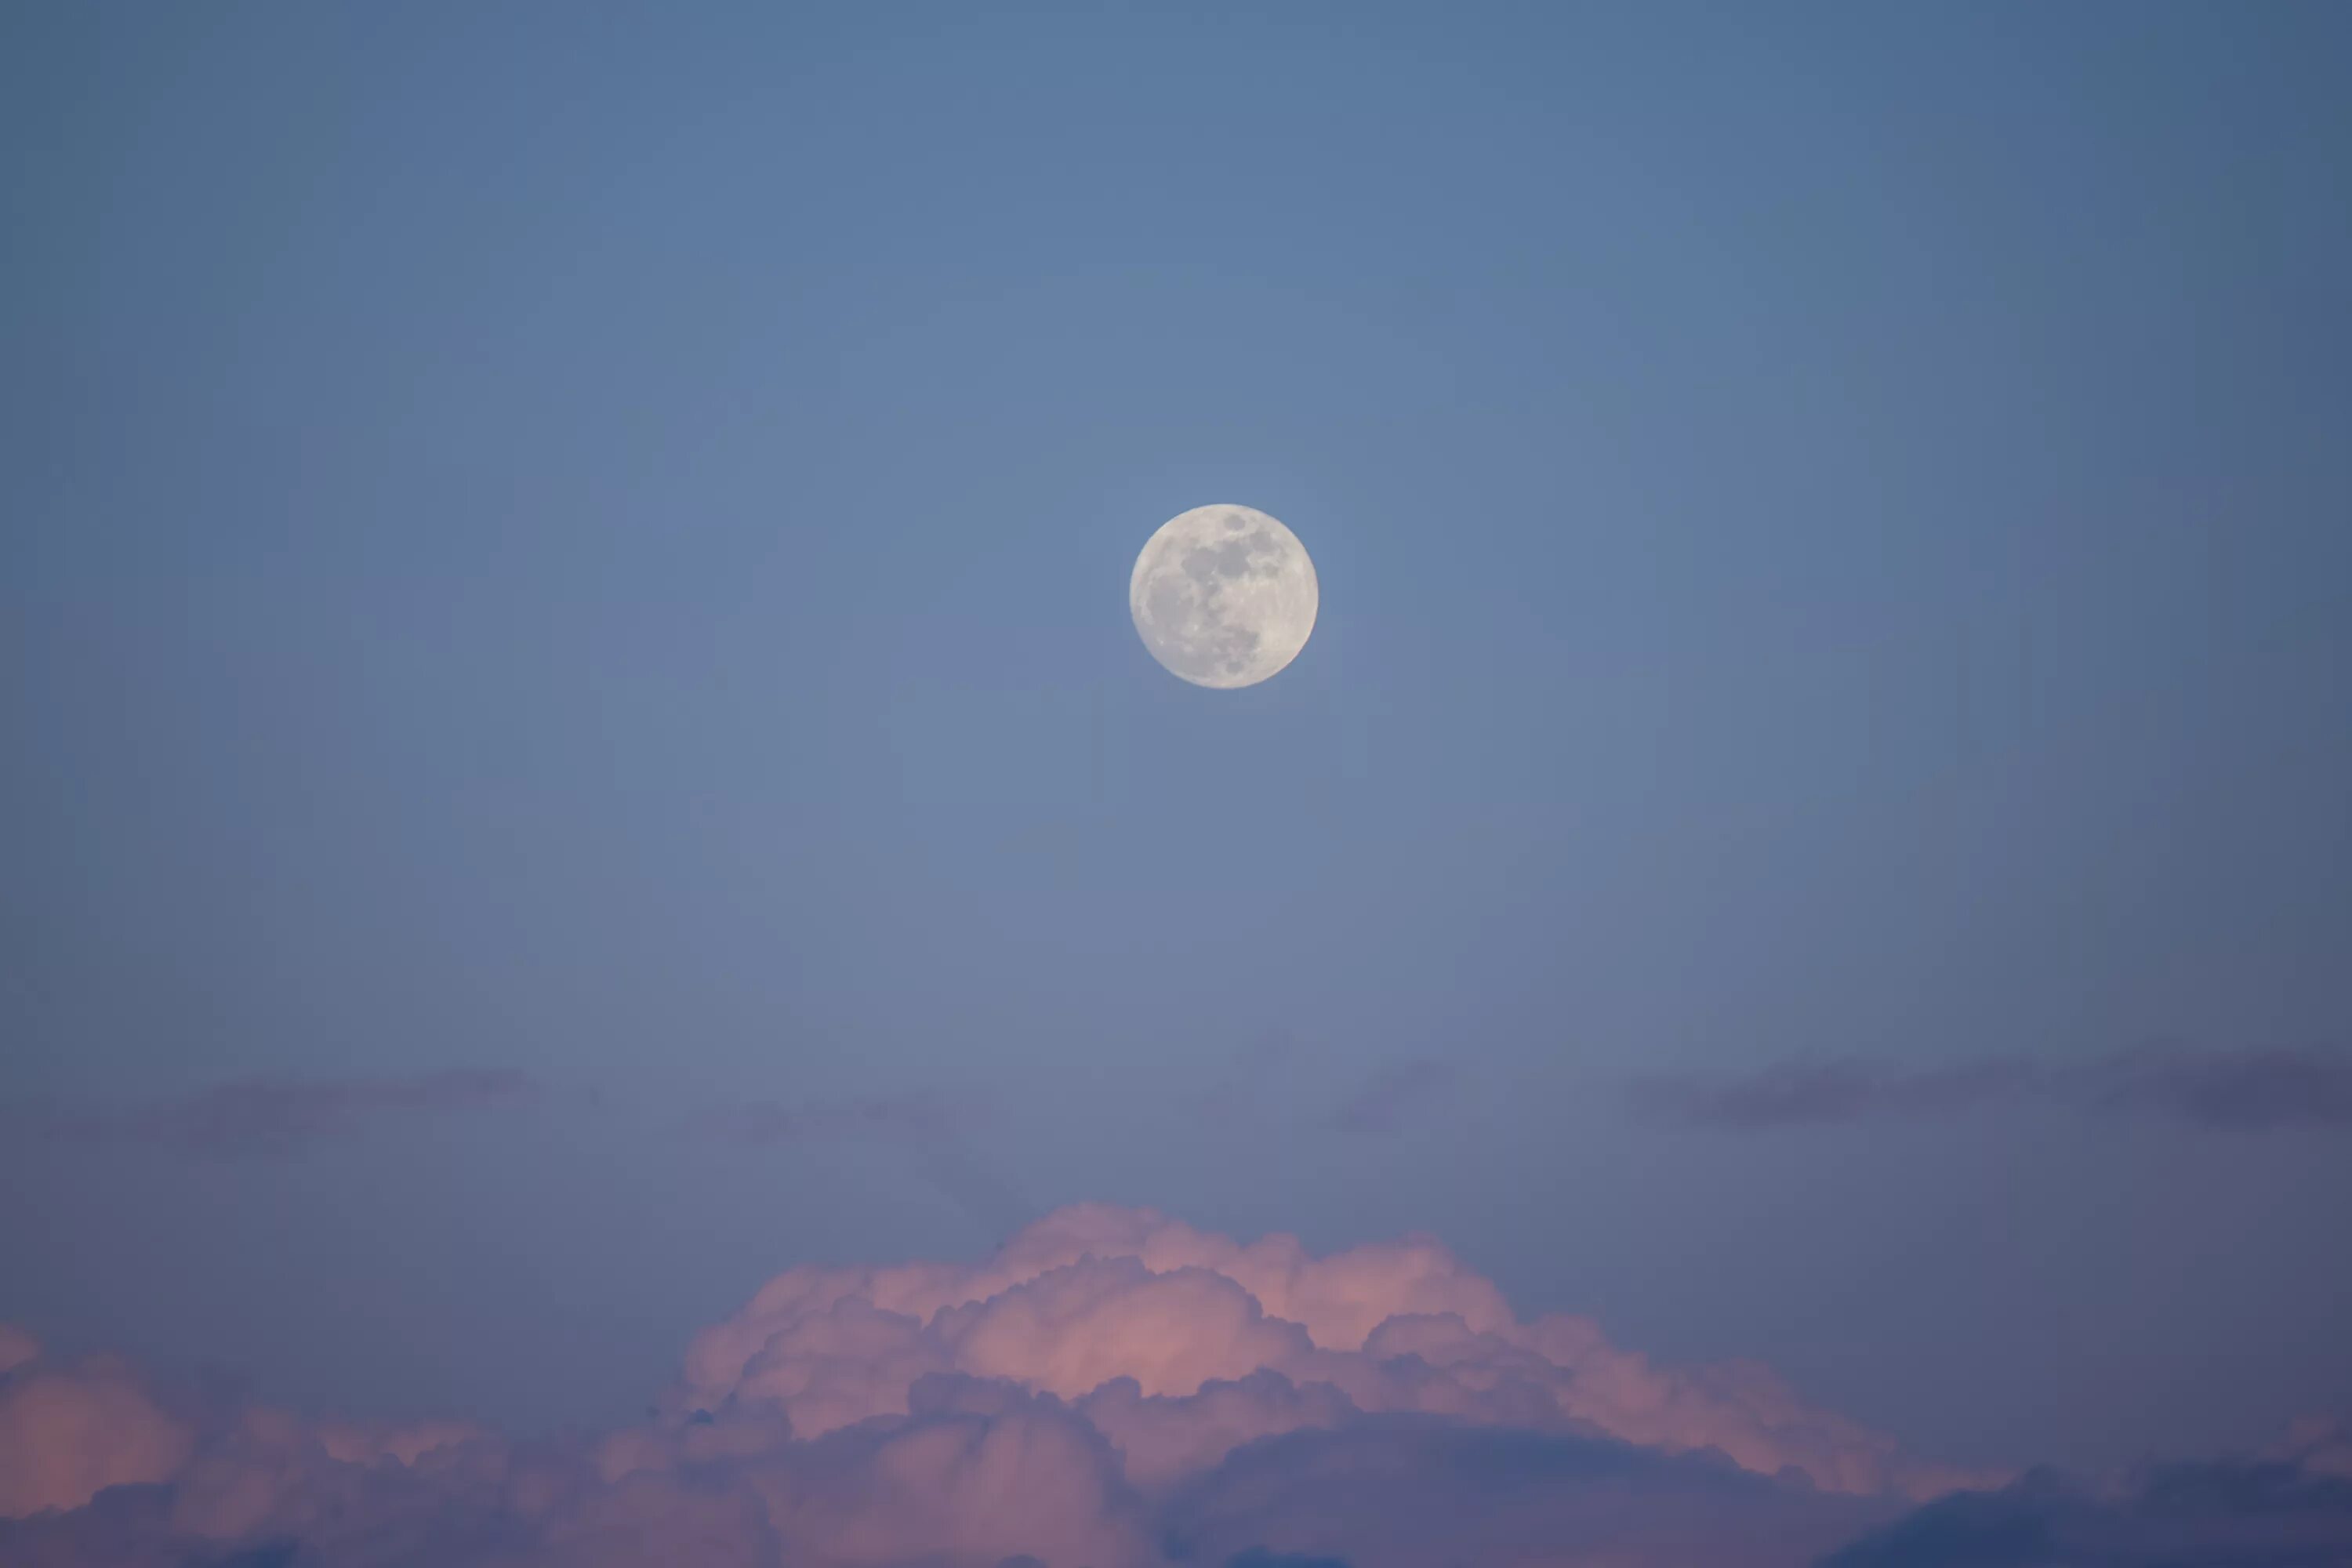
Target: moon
<point>1223,596</point>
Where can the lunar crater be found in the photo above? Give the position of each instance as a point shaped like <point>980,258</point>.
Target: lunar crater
<point>1224,596</point>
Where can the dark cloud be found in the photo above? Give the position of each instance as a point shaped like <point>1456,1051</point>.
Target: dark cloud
<point>1416,1491</point>
<point>123,1527</point>
<point>1793,1094</point>
<point>280,1116</point>
<point>2239,1514</point>
<point>274,1554</point>
<point>2252,1091</point>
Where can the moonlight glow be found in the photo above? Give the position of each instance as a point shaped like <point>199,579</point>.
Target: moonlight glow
<point>1223,596</point>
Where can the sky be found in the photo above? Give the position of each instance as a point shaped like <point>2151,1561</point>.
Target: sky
<point>570,741</point>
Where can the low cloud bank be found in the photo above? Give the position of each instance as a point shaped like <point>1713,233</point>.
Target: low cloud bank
<point>1112,1389</point>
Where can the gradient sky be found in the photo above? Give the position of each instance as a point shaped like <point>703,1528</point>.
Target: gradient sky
<point>588,549</point>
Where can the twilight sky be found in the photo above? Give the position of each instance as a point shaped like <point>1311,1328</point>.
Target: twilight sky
<point>572,741</point>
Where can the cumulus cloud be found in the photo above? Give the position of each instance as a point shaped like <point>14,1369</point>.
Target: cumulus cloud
<point>279,1116</point>
<point>2251,1091</point>
<point>1110,1389</point>
<point>1091,1295</point>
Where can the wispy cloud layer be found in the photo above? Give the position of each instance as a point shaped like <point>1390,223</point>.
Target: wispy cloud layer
<point>2246,1090</point>
<point>279,1116</point>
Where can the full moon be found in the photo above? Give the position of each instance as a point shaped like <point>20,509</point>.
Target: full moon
<point>1223,596</point>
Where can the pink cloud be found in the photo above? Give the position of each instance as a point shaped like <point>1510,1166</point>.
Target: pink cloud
<point>1108,1385</point>
<point>1090,1295</point>
<point>68,1433</point>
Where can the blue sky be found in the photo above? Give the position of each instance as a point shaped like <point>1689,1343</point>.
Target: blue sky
<point>595,547</point>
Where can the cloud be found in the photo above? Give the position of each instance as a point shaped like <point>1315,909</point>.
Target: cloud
<point>2318,1444</point>
<point>16,1347</point>
<point>1110,1389</point>
<point>281,1116</point>
<point>2243,1090</point>
<point>2252,1513</point>
<point>68,1433</point>
<point>1791,1094</point>
<point>1408,1491</point>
